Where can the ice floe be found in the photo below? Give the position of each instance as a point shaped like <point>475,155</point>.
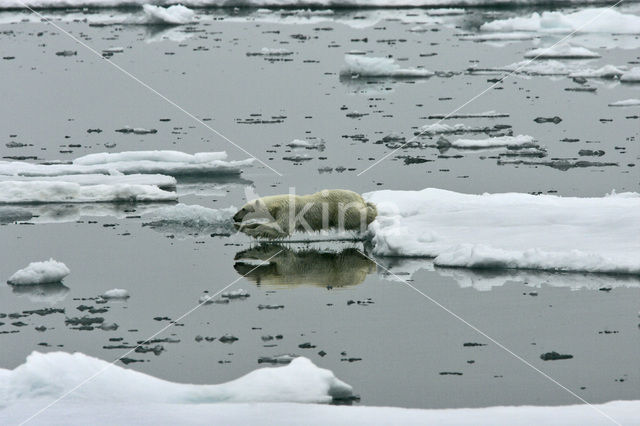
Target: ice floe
<point>161,181</point>
<point>562,51</point>
<point>299,143</point>
<point>625,103</point>
<point>363,66</point>
<point>173,163</point>
<point>51,375</point>
<point>607,72</point>
<point>631,76</point>
<point>46,272</point>
<point>510,230</point>
<point>519,141</point>
<point>185,219</point>
<point>172,15</point>
<point>37,191</point>
<point>116,293</point>
<point>590,20</point>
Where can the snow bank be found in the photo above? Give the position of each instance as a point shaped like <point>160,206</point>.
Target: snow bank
<point>592,20</point>
<point>173,163</point>
<point>37,191</point>
<point>49,271</point>
<point>625,103</point>
<point>562,50</point>
<point>172,15</point>
<point>631,76</point>
<point>520,141</point>
<point>363,66</point>
<point>51,375</point>
<point>509,230</point>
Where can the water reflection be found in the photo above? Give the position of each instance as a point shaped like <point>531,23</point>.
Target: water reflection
<point>488,279</point>
<point>42,293</point>
<point>309,267</point>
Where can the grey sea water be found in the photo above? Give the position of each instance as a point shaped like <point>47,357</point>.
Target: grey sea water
<point>341,310</point>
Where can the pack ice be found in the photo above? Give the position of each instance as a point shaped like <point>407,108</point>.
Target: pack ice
<point>510,230</point>
<point>103,177</point>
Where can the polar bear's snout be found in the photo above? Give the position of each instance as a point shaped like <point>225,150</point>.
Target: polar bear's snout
<point>240,214</point>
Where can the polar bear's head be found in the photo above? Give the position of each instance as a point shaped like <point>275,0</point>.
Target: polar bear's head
<point>253,213</point>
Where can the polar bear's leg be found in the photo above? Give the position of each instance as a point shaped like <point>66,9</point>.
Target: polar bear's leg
<point>269,230</point>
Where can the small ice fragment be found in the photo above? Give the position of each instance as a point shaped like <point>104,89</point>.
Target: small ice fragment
<point>235,294</point>
<point>116,293</point>
<point>49,271</point>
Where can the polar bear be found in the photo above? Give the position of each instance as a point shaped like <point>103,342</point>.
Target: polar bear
<point>278,216</point>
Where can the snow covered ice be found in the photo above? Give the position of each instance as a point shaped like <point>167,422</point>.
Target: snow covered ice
<point>590,20</point>
<point>625,103</point>
<point>520,141</point>
<point>510,230</point>
<point>116,293</point>
<point>364,66</point>
<point>562,50</point>
<point>172,15</point>
<point>36,191</point>
<point>46,272</point>
<point>109,177</point>
<point>49,376</point>
<point>118,395</point>
<point>631,76</point>
<point>173,163</point>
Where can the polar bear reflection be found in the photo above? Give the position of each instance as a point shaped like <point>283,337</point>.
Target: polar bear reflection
<point>310,267</point>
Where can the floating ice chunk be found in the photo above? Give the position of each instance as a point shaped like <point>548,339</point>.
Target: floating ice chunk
<point>520,141</point>
<point>607,71</point>
<point>298,143</point>
<point>235,294</point>
<point>113,50</point>
<point>631,76</point>
<point>161,181</point>
<point>625,103</point>
<point>172,15</point>
<point>184,219</point>
<point>510,36</point>
<point>21,192</point>
<point>590,20</point>
<point>51,375</point>
<point>363,66</point>
<point>49,271</point>
<point>510,230</point>
<point>116,293</point>
<point>266,51</point>
<point>561,51</point>
<point>172,163</point>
